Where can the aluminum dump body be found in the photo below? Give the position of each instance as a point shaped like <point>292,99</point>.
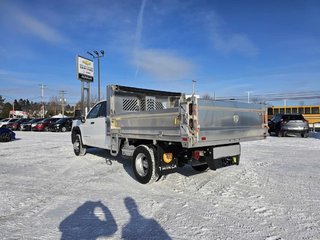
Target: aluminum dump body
<point>136,113</point>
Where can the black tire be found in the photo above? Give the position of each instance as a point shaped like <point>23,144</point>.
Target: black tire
<point>5,137</point>
<point>46,129</point>
<point>279,134</point>
<point>305,135</point>
<point>63,129</point>
<point>78,148</point>
<point>143,164</point>
<point>200,168</point>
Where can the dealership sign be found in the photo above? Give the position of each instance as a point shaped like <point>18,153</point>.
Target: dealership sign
<point>85,70</point>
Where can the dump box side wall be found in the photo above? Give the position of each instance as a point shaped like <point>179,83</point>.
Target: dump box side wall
<point>160,125</point>
<point>143,114</point>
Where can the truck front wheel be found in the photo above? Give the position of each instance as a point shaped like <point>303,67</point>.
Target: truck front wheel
<point>78,148</point>
<point>143,164</point>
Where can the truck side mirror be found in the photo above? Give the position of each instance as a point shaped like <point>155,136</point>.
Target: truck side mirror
<point>83,119</point>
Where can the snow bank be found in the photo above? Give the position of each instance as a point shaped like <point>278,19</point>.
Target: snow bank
<point>47,192</point>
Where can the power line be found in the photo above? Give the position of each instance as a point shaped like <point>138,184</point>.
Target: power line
<point>277,96</point>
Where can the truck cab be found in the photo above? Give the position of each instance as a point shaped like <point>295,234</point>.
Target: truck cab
<point>93,127</point>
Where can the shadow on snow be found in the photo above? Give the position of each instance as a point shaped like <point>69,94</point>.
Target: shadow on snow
<point>93,220</point>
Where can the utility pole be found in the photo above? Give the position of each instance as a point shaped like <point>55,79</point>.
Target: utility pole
<point>97,55</point>
<point>248,96</point>
<point>62,99</point>
<point>42,87</point>
<point>12,109</point>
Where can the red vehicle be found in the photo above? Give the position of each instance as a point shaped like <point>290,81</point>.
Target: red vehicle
<point>15,126</point>
<point>43,125</point>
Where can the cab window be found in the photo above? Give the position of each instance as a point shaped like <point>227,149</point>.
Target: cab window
<point>103,109</point>
<point>94,113</point>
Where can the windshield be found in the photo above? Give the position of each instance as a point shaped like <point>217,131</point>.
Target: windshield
<point>293,117</point>
<point>62,120</point>
<point>34,120</point>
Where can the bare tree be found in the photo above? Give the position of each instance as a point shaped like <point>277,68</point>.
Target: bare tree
<point>53,105</point>
<point>207,96</point>
<point>93,100</point>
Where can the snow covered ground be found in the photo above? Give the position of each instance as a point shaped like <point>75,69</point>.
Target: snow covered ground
<point>46,192</point>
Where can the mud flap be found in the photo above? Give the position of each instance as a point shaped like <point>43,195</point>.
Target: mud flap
<point>163,167</point>
<point>214,164</point>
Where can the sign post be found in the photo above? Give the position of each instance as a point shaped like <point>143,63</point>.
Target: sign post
<point>85,73</point>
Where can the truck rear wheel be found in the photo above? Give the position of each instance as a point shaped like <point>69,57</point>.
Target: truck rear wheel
<point>78,148</point>
<point>143,164</point>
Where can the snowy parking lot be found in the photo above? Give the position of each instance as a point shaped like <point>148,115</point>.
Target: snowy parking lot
<point>47,192</point>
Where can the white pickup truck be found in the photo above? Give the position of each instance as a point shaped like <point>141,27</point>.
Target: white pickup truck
<point>162,131</point>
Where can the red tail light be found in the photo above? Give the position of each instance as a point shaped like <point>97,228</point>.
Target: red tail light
<point>197,154</point>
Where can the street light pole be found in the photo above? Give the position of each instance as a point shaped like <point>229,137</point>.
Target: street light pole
<point>97,55</point>
<point>98,78</point>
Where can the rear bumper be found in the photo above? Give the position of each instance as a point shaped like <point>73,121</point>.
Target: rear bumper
<point>295,129</point>
<point>218,153</point>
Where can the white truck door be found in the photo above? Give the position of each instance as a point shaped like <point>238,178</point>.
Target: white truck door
<point>94,128</point>
<point>101,139</point>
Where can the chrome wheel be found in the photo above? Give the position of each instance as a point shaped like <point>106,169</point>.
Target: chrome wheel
<point>142,165</point>
<point>76,145</point>
<point>78,148</point>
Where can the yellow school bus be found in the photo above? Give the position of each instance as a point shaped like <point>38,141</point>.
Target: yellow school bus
<point>310,113</point>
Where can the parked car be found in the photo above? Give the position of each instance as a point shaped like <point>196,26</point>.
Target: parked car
<point>43,125</point>
<point>283,124</point>
<point>62,125</point>
<point>7,121</point>
<point>3,121</point>
<point>27,125</point>
<point>15,126</point>
<point>6,135</point>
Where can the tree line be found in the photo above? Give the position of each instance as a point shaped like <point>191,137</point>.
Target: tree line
<point>33,109</point>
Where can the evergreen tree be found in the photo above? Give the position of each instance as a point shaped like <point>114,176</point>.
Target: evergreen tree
<point>6,110</point>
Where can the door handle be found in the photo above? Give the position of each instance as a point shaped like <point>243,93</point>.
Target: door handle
<point>92,122</point>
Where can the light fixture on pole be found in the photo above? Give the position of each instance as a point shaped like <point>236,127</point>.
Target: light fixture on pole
<point>97,55</point>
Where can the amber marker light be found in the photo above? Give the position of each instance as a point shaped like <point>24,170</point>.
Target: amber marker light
<point>167,157</point>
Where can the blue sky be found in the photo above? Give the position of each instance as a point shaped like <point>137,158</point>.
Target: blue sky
<point>228,47</point>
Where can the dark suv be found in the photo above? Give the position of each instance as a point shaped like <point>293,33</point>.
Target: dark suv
<point>283,124</point>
